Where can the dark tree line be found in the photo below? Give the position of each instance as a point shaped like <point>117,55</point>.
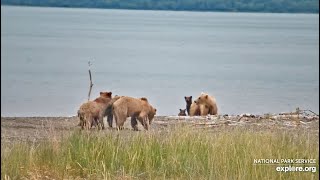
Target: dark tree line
<point>294,6</point>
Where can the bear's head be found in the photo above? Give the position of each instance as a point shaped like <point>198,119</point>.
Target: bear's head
<point>188,99</point>
<point>202,98</point>
<point>106,94</point>
<point>182,112</point>
<point>151,114</point>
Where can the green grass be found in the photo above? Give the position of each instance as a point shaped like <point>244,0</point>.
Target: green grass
<point>181,153</point>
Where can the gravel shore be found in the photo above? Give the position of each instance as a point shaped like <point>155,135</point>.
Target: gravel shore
<point>17,129</point>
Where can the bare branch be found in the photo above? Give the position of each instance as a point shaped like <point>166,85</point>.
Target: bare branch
<point>311,112</point>
<point>89,63</point>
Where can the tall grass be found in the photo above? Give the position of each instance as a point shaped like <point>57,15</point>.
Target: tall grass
<point>179,153</point>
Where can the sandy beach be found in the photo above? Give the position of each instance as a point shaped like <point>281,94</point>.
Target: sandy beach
<point>15,129</point>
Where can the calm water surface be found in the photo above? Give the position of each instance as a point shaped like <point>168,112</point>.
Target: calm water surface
<point>255,63</point>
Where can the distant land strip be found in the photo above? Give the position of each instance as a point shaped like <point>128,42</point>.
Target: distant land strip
<point>273,6</point>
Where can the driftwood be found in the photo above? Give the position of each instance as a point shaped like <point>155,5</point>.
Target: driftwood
<point>299,111</point>
<point>90,81</point>
<point>310,111</point>
<point>205,124</point>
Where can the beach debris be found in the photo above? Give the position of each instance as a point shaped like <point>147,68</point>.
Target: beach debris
<point>283,120</point>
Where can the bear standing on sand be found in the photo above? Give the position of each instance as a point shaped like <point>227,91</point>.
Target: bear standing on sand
<point>209,101</point>
<point>136,108</point>
<point>94,111</point>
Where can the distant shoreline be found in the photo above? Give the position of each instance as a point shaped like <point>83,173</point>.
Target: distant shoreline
<point>174,10</point>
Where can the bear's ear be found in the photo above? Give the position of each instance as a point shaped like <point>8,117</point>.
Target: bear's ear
<point>190,97</point>
<point>109,94</point>
<point>206,96</point>
<point>101,93</point>
<point>155,110</point>
<point>180,109</point>
<point>144,99</point>
<point>185,97</point>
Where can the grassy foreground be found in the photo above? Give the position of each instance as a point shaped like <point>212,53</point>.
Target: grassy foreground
<point>179,153</point>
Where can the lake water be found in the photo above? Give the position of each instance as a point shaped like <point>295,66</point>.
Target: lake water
<point>251,62</point>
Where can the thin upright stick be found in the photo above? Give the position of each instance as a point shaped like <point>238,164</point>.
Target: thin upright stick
<point>90,81</point>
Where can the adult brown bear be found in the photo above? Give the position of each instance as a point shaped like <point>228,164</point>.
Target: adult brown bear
<point>94,111</point>
<point>209,101</point>
<point>136,108</point>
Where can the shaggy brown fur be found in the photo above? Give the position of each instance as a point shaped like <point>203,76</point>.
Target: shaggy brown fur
<point>136,108</point>
<point>93,111</point>
<point>194,109</point>
<point>198,110</point>
<point>204,110</point>
<point>209,101</point>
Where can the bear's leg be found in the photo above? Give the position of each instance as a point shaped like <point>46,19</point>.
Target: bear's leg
<point>91,122</point>
<point>80,122</point>
<point>81,117</point>
<point>188,109</point>
<point>120,119</point>
<point>110,119</point>
<point>100,123</point>
<point>144,120</point>
<point>83,124</point>
<point>117,119</point>
<point>147,125</point>
<point>121,123</point>
<point>202,111</point>
<point>134,123</point>
<point>211,111</point>
<point>94,122</point>
<point>124,115</point>
<point>88,124</point>
<point>86,120</point>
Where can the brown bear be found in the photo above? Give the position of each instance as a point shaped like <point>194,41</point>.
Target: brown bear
<point>188,100</point>
<point>136,108</point>
<point>182,112</point>
<point>93,111</point>
<point>85,114</point>
<point>198,110</point>
<point>209,101</point>
<point>147,121</point>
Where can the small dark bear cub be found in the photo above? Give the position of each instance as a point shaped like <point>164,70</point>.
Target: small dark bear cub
<point>188,102</point>
<point>182,112</point>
